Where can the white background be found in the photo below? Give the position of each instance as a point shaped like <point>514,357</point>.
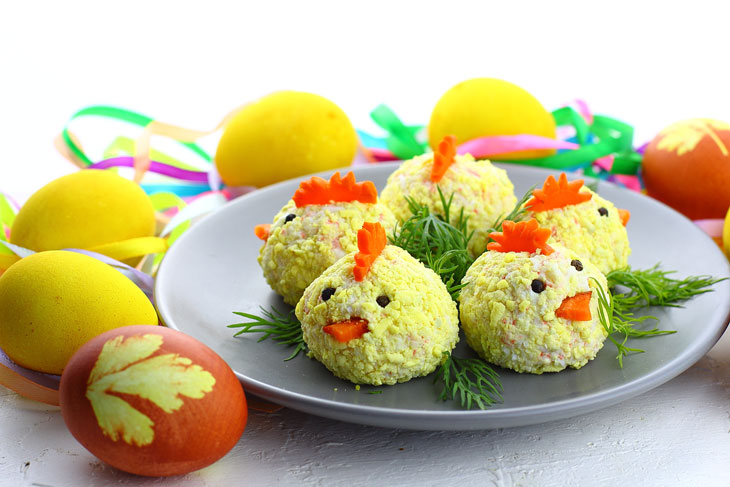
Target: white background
<point>190,63</point>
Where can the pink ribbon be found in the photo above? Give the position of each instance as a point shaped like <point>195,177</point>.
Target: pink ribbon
<point>503,144</point>
<point>157,167</point>
<point>711,226</point>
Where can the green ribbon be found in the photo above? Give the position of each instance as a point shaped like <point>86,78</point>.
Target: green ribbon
<point>401,139</point>
<point>605,136</point>
<point>117,114</point>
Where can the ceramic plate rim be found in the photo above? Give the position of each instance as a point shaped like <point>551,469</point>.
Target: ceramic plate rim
<point>457,419</point>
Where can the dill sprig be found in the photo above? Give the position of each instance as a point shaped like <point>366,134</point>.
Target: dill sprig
<point>471,381</point>
<point>439,241</point>
<point>518,213</point>
<point>654,287</point>
<point>283,328</point>
<point>620,324</point>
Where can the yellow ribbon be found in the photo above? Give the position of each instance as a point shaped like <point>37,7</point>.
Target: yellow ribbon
<point>131,248</point>
<point>181,134</point>
<point>122,250</point>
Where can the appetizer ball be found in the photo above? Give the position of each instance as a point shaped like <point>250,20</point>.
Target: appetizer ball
<point>582,221</point>
<point>530,307</point>
<point>316,228</point>
<point>687,166</point>
<point>483,191</point>
<point>378,316</point>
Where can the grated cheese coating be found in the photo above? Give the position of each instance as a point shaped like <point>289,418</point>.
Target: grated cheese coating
<point>510,325</point>
<point>603,240</point>
<point>298,251</point>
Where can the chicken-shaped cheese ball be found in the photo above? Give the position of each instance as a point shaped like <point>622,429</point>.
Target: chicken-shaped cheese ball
<point>481,190</point>
<point>582,221</point>
<point>315,228</point>
<point>530,307</point>
<point>378,316</point>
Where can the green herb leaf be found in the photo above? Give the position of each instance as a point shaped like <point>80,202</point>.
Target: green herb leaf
<point>654,287</point>
<point>439,241</point>
<point>620,324</point>
<point>283,328</point>
<point>471,381</point>
<point>518,213</point>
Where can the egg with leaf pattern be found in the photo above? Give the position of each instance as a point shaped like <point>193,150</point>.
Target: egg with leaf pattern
<point>687,166</point>
<point>152,401</point>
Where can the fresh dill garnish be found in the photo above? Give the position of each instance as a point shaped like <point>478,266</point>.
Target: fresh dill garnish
<point>283,328</point>
<point>654,287</point>
<point>439,241</point>
<point>620,324</point>
<point>471,381</point>
<point>518,213</point>
<point>592,185</point>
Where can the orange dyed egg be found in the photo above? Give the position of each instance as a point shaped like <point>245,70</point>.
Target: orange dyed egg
<point>152,401</point>
<point>687,166</point>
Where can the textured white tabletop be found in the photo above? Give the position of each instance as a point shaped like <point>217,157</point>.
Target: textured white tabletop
<point>676,434</point>
<point>189,65</point>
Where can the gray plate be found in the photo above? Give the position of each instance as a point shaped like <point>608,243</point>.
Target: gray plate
<point>212,271</point>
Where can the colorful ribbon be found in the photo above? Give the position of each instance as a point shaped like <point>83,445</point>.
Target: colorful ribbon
<point>599,146</point>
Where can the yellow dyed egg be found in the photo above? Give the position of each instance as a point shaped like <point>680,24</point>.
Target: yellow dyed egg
<point>284,135</point>
<point>83,210</point>
<point>53,302</point>
<point>482,107</point>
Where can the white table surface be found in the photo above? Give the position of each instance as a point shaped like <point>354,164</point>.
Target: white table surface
<point>190,65</point>
<point>676,434</point>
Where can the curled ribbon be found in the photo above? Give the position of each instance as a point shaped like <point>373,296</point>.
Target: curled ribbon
<point>599,146</point>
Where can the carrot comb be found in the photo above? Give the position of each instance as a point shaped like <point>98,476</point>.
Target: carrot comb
<point>557,194</point>
<point>317,191</point>
<point>521,237</point>
<point>370,243</point>
<point>443,158</point>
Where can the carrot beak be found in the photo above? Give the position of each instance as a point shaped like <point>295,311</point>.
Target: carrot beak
<point>344,331</point>
<point>263,231</point>
<point>624,215</point>
<point>576,308</point>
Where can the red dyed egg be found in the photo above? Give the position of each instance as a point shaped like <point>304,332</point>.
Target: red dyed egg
<point>152,401</point>
<point>687,166</point>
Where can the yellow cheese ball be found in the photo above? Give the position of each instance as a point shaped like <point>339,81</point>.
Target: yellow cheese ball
<point>82,210</point>
<point>482,107</point>
<point>53,302</point>
<point>284,135</point>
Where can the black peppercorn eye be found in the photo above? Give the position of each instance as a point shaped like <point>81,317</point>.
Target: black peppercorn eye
<point>289,217</point>
<point>577,264</point>
<point>383,301</point>
<point>327,293</point>
<point>602,211</point>
<point>538,286</point>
